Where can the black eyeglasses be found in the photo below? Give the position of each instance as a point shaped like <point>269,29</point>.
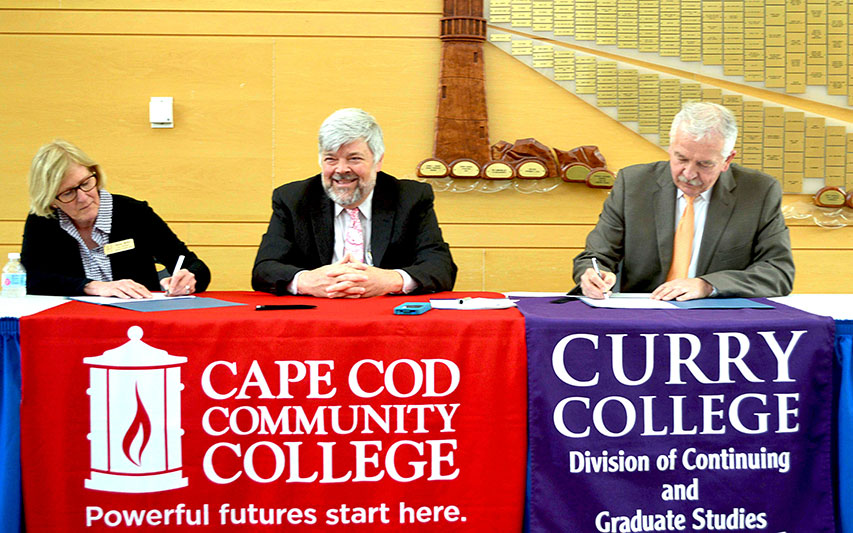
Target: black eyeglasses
<point>86,185</point>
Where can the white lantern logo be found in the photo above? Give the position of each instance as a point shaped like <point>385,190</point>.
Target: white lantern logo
<point>135,418</point>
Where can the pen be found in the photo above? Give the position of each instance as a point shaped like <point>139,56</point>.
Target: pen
<point>275,307</point>
<point>178,266</point>
<point>595,266</point>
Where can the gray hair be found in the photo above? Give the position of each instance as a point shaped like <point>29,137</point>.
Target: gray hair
<point>701,119</point>
<point>349,125</point>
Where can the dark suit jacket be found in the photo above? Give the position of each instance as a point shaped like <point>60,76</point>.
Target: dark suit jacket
<point>404,234</point>
<point>52,256</point>
<point>745,250</point>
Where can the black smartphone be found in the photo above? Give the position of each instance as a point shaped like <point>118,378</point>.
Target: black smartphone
<point>276,307</point>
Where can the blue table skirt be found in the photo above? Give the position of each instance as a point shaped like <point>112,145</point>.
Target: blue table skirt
<point>10,425</point>
<point>844,350</point>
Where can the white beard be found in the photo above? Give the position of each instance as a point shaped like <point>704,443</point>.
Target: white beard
<point>341,198</point>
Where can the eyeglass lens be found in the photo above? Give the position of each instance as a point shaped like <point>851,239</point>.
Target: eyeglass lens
<point>85,186</point>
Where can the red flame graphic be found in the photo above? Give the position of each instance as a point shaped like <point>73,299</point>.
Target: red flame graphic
<point>141,423</point>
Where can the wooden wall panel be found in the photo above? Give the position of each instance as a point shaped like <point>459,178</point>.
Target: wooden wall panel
<point>253,80</point>
<point>220,24</point>
<point>569,203</point>
<point>94,92</point>
<point>823,271</point>
<point>314,78</point>
<point>324,6</point>
<point>230,266</point>
<point>472,267</point>
<point>529,269</point>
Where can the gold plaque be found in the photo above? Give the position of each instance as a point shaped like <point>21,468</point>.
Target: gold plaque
<point>574,172</point>
<point>432,168</point>
<point>498,170</point>
<point>600,178</point>
<point>464,168</point>
<point>529,168</point>
<point>830,197</point>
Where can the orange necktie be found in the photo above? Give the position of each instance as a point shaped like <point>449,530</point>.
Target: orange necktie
<point>682,246</point>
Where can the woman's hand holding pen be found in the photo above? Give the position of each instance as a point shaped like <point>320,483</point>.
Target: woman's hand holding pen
<point>181,282</point>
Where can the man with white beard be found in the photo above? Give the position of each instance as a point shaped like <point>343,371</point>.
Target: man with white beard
<point>353,231</point>
<point>735,244</point>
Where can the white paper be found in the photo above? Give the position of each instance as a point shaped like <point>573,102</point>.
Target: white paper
<point>531,294</point>
<point>838,306</point>
<point>28,305</point>
<point>472,303</point>
<point>628,300</point>
<point>105,300</point>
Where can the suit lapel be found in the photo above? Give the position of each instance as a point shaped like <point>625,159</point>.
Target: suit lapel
<point>664,200</point>
<point>719,212</point>
<point>384,206</point>
<point>322,223</point>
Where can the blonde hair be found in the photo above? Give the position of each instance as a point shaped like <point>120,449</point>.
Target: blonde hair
<point>49,166</point>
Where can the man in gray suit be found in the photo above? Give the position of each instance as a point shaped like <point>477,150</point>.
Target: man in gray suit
<point>353,231</point>
<point>740,243</point>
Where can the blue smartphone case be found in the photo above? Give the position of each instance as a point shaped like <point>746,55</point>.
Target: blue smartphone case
<point>412,308</point>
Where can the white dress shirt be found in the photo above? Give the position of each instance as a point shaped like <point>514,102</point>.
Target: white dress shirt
<point>365,215</point>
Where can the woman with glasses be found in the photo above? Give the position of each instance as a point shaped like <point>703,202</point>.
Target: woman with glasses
<point>81,240</point>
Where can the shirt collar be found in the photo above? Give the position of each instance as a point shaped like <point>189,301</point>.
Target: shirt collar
<point>104,220</point>
<point>705,195</point>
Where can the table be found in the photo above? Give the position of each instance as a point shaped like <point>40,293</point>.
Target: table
<point>11,309</point>
<point>840,308</point>
<point>10,448</point>
<point>844,350</point>
<point>336,416</point>
<point>837,306</point>
<point>678,419</point>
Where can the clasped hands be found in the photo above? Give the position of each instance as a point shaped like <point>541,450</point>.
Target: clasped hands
<point>598,287</point>
<point>349,278</point>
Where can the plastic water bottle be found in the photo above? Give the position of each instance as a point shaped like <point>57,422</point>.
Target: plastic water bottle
<point>13,283</point>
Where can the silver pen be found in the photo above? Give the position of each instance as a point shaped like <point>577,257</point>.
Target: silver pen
<point>595,266</point>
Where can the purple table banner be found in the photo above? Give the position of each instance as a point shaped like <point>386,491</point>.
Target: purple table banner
<point>678,420</point>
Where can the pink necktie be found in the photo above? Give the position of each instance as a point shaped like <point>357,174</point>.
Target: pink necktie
<point>354,236</point>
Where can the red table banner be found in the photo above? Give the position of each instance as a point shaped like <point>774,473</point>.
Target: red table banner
<point>345,416</point>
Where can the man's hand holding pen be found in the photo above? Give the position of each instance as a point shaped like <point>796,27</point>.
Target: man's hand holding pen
<point>596,283</point>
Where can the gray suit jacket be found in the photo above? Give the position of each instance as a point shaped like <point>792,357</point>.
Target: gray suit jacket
<point>745,250</point>
<point>404,234</point>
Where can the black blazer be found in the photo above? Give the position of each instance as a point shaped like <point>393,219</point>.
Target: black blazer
<point>404,234</point>
<point>52,257</point>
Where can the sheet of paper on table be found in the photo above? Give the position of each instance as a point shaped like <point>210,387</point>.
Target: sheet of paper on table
<point>638,300</point>
<point>110,300</point>
<point>628,300</point>
<point>472,303</point>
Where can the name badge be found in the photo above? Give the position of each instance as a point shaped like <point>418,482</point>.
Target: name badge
<point>120,246</point>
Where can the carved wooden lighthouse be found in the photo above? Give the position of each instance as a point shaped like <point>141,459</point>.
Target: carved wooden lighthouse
<point>462,125</point>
